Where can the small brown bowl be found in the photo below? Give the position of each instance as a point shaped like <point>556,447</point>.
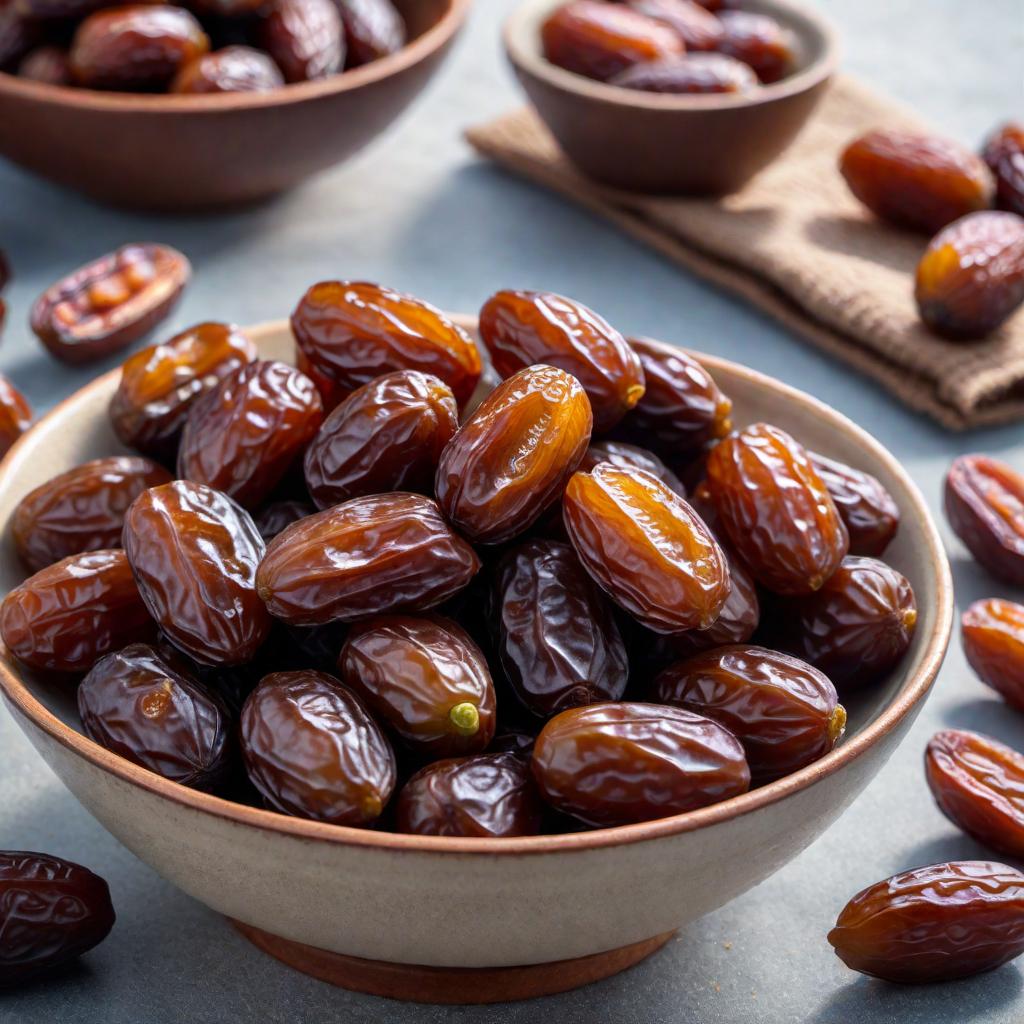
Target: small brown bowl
<point>673,144</point>
<point>193,152</point>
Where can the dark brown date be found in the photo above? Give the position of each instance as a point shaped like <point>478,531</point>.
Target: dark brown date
<point>15,415</point>
<point>934,924</point>
<point>513,456</point>
<point>17,33</point>
<point>387,435</point>
<point>631,456</point>
<point>233,69</point>
<point>61,10</point>
<point>784,711</point>
<point>557,638</point>
<point>194,553</point>
<point>775,509</point>
<point>68,615</point>
<point>984,500</point>
<point>111,302</point>
<point>864,505</point>
<point>690,73</point>
<point>312,751</point>
<point>160,383</point>
<point>762,42</point>
<point>971,277</point>
<point>425,679</point>
<point>149,711</point>
<point>305,38</point>
<point>696,26</point>
<point>365,557</point>
<point>993,638</point>
<point>1004,154</point>
<point>373,29</point>
<point>51,911</point>
<point>613,764</point>
<point>48,64</point>
<point>136,47</point>
<point>273,518</point>
<point>82,509</point>
<point>523,328</point>
<point>485,796</point>
<point>354,331</point>
<point>243,435</point>
<point>646,547</point>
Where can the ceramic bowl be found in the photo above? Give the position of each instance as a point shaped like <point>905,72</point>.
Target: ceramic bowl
<point>441,919</point>
<point>195,152</point>
<point>675,144</point>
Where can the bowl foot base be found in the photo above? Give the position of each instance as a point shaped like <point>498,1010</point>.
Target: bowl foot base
<point>461,985</point>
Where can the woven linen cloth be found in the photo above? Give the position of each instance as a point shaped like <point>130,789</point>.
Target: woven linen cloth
<point>795,243</point>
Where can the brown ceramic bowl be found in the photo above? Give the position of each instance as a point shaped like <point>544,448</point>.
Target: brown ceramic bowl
<point>194,152</point>
<point>461,920</point>
<point>672,144</point>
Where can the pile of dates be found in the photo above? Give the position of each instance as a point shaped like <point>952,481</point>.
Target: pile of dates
<point>388,588</point>
<point>970,279</point>
<point>201,46</point>
<point>670,46</point>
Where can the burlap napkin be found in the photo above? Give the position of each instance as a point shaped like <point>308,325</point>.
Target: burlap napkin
<point>795,243</point>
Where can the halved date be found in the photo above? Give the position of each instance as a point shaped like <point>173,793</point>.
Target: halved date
<point>15,413</point>
<point>1004,154</point>
<point>993,639</point>
<point>869,511</point>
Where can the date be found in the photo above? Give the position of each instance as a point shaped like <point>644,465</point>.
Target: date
<point>1004,154</point>
<point>373,29</point>
<point>305,38</point>
<point>767,46</point>
<point>690,73</point>
<point>15,413</point>
<point>273,518</point>
<point>869,511</point>
<point>232,69</point>
<point>631,456</point>
<point>48,64</point>
<point>993,639</point>
<point>698,28</point>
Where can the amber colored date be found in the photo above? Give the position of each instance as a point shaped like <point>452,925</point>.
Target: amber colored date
<point>485,796</point>
<point>330,390</point>
<point>915,180</point>
<point>971,277</point>
<point>243,435</point>
<point>373,29</point>
<point>68,615</point>
<point>646,547</point>
<point>759,41</point>
<point>613,764</point>
<point>869,511</point>
<point>160,383</point>
<point>111,302</point>
<point>139,705</point>
<point>51,911</point>
<point>387,435</point>
<point>1004,154</point>
<point>513,456</point>
<point>934,924</point>
<point>522,328</point>
<point>82,509</point>
<point>690,73</point>
<point>233,69</point>
<point>367,556</point>
<point>598,40</point>
<point>194,553</point>
<point>273,518</point>
<point>425,679</point>
<point>354,331</point>
<point>48,64</point>
<point>993,639</point>
<point>15,414</point>
<point>984,502</point>
<point>698,28</point>
<point>312,751</point>
<point>305,38</point>
<point>631,456</point>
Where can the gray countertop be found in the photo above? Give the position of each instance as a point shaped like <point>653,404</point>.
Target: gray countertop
<point>418,211</point>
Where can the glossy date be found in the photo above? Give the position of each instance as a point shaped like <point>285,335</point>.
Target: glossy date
<point>1004,154</point>
<point>15,413</point>
<point>993,640</point>
<point>871,515</point>
<point>690,73</point>
<point>232,69</point>
<point>304,37</point>
<point>373,29</point>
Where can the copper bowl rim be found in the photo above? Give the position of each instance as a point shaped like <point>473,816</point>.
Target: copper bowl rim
<point>524,53</point>
<point>912,692</point>
<point>419,49</point>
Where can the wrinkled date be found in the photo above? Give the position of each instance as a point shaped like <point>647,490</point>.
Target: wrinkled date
<point>978,784</point>
<point>513,456</point>
<point>759,41</point>
<point>233,69</point>
<point>373,29</point>
<point>917,181</point>
<point>935,923</point>
<point>425,680</point>
<point>160,383</point>
<point>697,27</point>
<point>484,796</point>
<point>194,553</point>
<point>984,501</point>
<point>557,638</point>
<point>367,556</point>
<point>523,328</point>
<point>631,456</point>
<point>141,706</point>
<point>354,331</point>
<point>598,40</point>
<point>613,764</point>
<point>243,435</point>
<point>971,276</point>
<point>305,38</point>
<point>1004,154</point>
<point>51,911</point>
<point>273,518</point>
<point>111,302</point>
<point>387,435</point>
<point>646,547</point>
<point>784,712</point>
<point>15,414</point>
<point>776,510</point>
<point>691,73</point>
<point>330,390</point>
<point>993,639</point>
<point>49,64</point>
<point>312,751</point>
<point>135,47</point>
<point>82,509</point>
<point>68,615</point>
<point>865,506</point>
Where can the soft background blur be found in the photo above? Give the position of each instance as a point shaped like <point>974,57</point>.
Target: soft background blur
<point>418,211</point>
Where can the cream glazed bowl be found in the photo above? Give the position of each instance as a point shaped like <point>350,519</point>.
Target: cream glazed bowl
<point>460,920</point>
